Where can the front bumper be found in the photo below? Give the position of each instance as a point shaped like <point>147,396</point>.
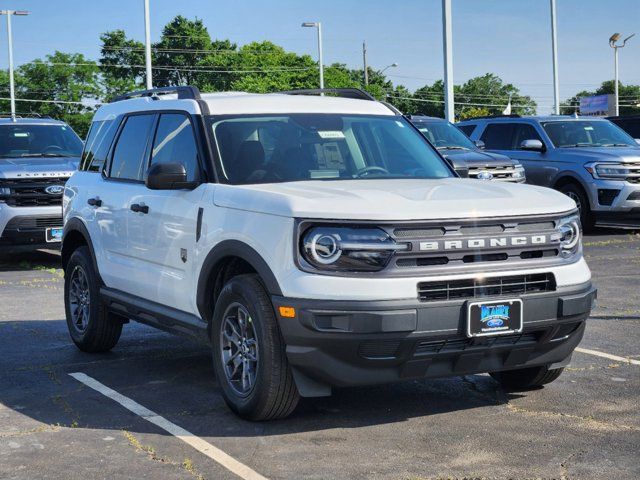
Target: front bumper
<point>615,203</point>
<point>24,229</point>
<point>343,343</point>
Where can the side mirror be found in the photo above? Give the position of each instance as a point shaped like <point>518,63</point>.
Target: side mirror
<point>533,145</point>
<point>479,144</point>
<point>638,141</point>
<point>459,166</point>
<point>168,176</point>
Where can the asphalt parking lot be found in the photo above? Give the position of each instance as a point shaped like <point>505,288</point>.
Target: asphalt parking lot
<point>584,425</point>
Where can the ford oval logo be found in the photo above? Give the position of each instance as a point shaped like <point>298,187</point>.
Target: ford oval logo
<point>484,175</point>
<point>496,322</point>
<point>54,189</point>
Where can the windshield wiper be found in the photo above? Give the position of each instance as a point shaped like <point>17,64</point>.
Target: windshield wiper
<point>574,145</point>
<point>452,147</point>
<point>615,145</point>
<point>35,155</point>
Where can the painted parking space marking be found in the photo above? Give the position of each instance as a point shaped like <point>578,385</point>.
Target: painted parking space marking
<point>189,438</point>
<point>597,353</point>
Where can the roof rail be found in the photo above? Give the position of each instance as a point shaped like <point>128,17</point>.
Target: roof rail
<point>183,91</point>
<point>23,115</point>
<point>512,115</point>
<point>355,93</point>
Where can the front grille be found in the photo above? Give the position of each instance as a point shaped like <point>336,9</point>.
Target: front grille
<point>486,287</point>
<point>501,173</point>
<point>458,344</point>
<point>634,172</point>
<point>23,223</point>
<point>30,192</point>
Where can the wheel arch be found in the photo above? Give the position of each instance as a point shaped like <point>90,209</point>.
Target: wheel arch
<point>76,235</point>
<point>238,257</point>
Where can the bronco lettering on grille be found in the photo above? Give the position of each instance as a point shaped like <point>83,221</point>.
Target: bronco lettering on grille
<point>491,242</point>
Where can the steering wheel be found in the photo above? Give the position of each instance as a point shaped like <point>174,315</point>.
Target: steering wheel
<point>52,149</point>
<point>363,172</point>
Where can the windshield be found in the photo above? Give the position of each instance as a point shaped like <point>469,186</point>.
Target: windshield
<point>587,133</point>
<point>445,136</point>
<point>288,148</point>
<point>21,140</point>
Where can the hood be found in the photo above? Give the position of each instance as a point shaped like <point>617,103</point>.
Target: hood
<point>478,157</point>
<point>602,154</point>
<point>22,167</point>
<point>396,200</point>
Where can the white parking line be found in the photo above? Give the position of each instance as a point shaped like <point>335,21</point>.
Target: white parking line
<point>199,444</point>
<point>608,355</point>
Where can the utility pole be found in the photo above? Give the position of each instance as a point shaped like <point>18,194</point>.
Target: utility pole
<point>448,61</point>
<point>147,45</point>
<point>318,25</point>
<point>364,62</point>
<point>12,93</point>
<point>554,52</point>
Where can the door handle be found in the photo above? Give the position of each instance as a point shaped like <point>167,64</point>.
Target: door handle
<point>135,207</point>
<point>95,202</point>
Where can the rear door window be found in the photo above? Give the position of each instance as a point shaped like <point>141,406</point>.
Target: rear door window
<point>130,152</point>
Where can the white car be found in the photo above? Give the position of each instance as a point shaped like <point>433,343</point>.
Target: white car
<point>314,242</point>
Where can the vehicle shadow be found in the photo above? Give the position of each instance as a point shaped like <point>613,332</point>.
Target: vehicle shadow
<point>30,260</point>
<point>174,378</point>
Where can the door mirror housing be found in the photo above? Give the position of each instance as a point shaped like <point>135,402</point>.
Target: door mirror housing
<point>459,166</point>
<point>638,141</point>
<point>480,144</point>
<point>533,145</point>
<point>168,176</point>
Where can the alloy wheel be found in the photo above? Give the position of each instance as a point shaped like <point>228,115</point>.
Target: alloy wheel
<point>239,349</point>
<point>79,299</point>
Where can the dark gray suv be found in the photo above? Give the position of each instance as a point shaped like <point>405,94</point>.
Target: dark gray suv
<point>591,160</point>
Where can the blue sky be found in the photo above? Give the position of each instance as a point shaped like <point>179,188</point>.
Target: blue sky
<point>508,37</point>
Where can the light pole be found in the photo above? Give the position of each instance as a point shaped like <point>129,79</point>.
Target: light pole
<point>554,53</point>
<point>12,94</point>
<point>147,45</point>
<point>448,61</point>
<point>393,65</point>
<point>318,25</point>
<point>612,43</point>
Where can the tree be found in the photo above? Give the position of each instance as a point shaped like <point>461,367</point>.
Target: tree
<point>122,63</point>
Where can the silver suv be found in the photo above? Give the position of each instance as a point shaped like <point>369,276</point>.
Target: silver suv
<point>591,160</point>
<point>37,156</point>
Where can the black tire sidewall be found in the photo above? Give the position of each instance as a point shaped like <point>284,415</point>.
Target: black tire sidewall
<point>585,211</point>
<point>82,257</point>
<point>241,292</point>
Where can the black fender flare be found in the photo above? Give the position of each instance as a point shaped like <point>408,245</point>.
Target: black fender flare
<point>231,248</point>
<point>75,225</point>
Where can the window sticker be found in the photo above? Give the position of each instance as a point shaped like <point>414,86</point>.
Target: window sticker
<point>331,133</point>
<point>588,128</point>
<point>21,134</point>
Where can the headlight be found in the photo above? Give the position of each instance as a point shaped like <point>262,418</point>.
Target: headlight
<point>614,171</point>
<point>569,235</point>
<point>348,248</point>
<point>518,173</point>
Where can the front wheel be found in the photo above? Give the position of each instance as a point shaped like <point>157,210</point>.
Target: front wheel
<point>249,353</point>
<point>526,378</point>
<point>575,193</point>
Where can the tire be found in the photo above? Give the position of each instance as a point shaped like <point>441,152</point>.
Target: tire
<point>526,378</point>
<point>91,327</point>
<point>269,391</point>
<point>576,193</point>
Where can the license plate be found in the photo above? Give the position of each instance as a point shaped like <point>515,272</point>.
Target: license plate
<point>54,235</point>
<point>494,318</point>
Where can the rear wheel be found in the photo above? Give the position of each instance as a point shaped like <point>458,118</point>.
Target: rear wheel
<point>91,327</point>
<point>575,193</point>
<point>526,378</point>
<point>249,353</point>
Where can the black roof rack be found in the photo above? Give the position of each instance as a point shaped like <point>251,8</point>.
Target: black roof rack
<point>512,115</point>
<point>355,93</point>
<point>183,91</point>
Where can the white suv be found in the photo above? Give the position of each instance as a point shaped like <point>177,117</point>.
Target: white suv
<point>314,242</point>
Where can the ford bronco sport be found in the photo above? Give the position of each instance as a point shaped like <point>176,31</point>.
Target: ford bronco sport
<point>314,242</point>
<point>37,156</point>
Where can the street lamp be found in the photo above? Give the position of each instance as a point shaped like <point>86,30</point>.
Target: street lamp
<point>147,45</point>
<point>393,65</point>
<point>318,25</point>
<point>613,44</point>
<point>9,14</point>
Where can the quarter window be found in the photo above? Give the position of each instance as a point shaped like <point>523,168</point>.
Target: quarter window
<point>175,142</point>
<point>128,161</point>
<point>97,145</point>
